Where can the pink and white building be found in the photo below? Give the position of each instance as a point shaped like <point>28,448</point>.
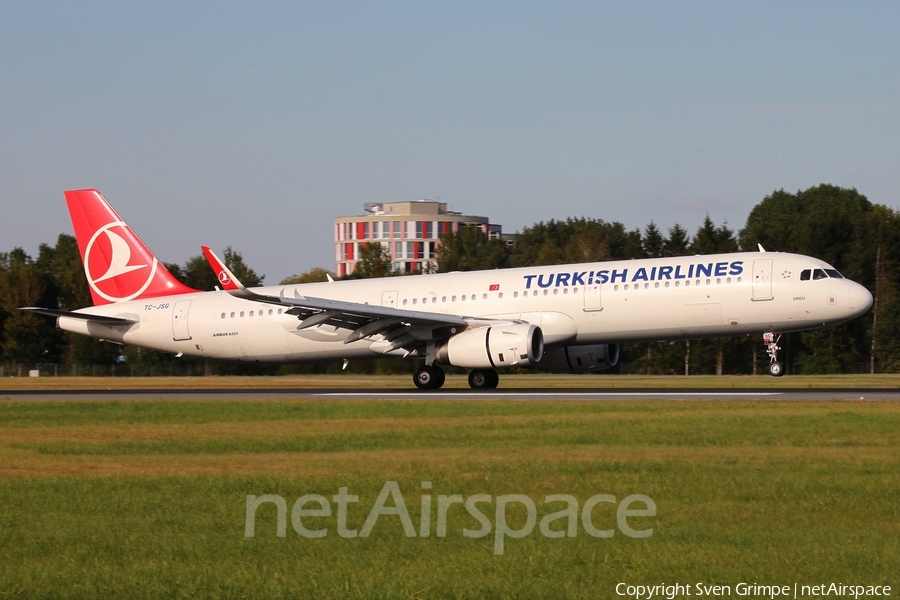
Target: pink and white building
<point>409,231</point>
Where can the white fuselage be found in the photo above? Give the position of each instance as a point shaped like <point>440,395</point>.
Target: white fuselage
<point>576,304</point>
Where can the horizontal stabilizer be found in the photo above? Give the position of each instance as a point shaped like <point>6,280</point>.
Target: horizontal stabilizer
<point>99,319</point>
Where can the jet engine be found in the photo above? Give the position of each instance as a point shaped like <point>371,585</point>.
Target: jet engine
<point>579,359</point>
<point>494,347</point>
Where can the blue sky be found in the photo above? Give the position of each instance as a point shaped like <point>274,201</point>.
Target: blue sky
<point>255,125</point>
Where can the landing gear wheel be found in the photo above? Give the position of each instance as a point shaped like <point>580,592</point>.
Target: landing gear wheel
<point>428,378</point>
<point>770,339</point>
<point>483,379</point>
<point>440,377</point>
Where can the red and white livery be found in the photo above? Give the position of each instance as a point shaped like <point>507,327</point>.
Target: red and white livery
<point>568,318</point>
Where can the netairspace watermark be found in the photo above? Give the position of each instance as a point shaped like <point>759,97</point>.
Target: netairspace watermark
<point>750,590</point>
<point>566,520</point>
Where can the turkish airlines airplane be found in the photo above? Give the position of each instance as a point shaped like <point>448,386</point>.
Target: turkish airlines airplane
<point>561,318</point>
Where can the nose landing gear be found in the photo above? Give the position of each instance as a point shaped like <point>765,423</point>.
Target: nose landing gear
<point>776,369</point>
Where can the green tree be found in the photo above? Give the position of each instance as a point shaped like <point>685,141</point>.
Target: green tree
<point>235,263</point>
<point>374,261</point>
<point>677,243</point>
<point>841,227</point>
<point>573,240</point>
<point>198,274</point>
<point>27,338</point>
<point>470,250</point>
<point>653,241</point>
<point>314,275</point>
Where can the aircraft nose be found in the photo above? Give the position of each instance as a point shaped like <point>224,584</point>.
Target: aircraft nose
<point>860,299</point>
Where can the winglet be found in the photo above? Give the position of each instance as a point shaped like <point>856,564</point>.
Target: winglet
<point>226,278</point>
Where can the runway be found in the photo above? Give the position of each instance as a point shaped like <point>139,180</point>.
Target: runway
<point>512,394</point>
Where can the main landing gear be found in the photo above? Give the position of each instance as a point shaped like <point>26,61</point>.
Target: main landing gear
<point>431,377</point>
<point>776,369</point>
<point>480,379</point>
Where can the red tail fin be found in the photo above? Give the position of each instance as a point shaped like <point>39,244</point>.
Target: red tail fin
<point>117,264</point>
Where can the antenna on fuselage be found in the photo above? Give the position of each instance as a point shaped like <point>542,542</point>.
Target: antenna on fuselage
<point>761,249</point>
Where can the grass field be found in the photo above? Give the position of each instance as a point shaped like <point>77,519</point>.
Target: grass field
<point>517,381</point>
<point>147,499</point>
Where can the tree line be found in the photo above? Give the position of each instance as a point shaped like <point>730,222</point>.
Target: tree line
<point>838,225</point>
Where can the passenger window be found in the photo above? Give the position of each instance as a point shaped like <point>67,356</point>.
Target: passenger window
<point>444,299</point>
<point>242,314</point>
<point>279,311</point>
<point>270,312</point>
<point>819,274</point>
<point>804,274</point>
<point>484,297</point>
<point>452,298</point>
<point>251,313</point>
<point>223,315</point>
<point>232,315</point>
<point>415,300</point>
<point>515,294</point>
<point>500,295</point>
<point>473,296</point>
<point>575,290</point>
<point>404,302</point>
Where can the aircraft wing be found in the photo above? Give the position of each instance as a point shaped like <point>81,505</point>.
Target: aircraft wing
<point>99,319</point>
<point>401,328</point>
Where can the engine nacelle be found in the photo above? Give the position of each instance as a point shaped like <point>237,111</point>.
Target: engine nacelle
<point>494,347</point>
<point>579,359</point>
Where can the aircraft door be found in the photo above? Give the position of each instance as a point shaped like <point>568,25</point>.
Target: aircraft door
<point>389,299</point>
<point>592,297</point>
<point>762,279</point>
<point>180,320</point>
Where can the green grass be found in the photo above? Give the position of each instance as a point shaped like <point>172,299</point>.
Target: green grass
<point>147,499</point>
<point>507,381</point>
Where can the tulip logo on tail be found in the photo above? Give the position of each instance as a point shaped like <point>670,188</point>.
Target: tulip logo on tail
<point>224,279</point>
<point>109,268</point>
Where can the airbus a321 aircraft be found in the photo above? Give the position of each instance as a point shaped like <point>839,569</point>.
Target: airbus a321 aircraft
<point>562,318</point>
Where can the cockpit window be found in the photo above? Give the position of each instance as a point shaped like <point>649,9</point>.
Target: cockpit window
<point>807,274</point>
